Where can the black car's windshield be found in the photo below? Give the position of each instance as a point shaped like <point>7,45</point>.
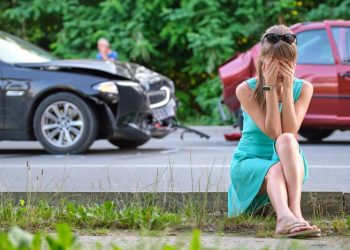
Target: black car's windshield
<point>15,50</point>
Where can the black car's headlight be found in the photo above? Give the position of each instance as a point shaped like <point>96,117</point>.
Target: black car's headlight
<point>109,87</point>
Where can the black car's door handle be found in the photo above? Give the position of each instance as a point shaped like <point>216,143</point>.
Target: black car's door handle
<point>16,85</point>
<point>346,74</point>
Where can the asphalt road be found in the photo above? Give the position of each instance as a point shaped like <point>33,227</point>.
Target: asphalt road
<point>169,164</point>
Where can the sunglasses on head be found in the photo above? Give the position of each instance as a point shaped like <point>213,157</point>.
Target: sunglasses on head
<point>275,38</point>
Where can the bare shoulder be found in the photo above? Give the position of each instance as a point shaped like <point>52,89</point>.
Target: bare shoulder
<point>243,90</point>
<point>307,88</point>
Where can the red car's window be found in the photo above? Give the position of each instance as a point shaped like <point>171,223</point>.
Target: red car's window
<point>342,39</point>
<point>314,47</point>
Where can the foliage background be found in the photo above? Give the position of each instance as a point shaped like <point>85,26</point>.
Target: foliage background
<point>186,40</point>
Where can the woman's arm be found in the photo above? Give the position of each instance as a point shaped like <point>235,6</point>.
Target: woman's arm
<point>288,115</point>
<point>270,124</point>
<point>272,118</point>
<point>273,123</point>
<point>292,113</point>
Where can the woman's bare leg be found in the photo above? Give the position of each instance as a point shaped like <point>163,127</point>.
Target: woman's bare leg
<point>287,149</point>
<point>276,188</point>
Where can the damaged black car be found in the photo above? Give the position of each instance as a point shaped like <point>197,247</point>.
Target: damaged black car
<point>68,104</point>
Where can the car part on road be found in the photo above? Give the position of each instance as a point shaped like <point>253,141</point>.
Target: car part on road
<point>64,123</point>
<point>190,130</point>
<point>235,136</point>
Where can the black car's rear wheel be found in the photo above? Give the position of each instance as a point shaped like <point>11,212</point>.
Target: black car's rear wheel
<point>315,134</point>
<point>126,144</point>
<point>65,123</point>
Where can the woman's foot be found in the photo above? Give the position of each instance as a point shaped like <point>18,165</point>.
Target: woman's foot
<point>300,218</point>
<point>292,225</point>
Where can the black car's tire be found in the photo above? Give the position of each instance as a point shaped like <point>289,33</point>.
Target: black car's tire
<point>315,134</point>
<point>65,123</point>
<point>126,144</point>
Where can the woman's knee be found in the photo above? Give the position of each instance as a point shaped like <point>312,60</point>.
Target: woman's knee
<point>286,140</point>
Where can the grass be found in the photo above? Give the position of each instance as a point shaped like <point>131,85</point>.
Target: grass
<point>145,216</point>
<point>102,216</point>
<point>53,221</point>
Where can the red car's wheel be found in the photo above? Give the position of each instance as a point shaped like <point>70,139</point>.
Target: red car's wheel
<point>315,134</point>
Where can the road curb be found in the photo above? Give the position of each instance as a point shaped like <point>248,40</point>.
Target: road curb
<point>347,203</point>
<point>314,204</point>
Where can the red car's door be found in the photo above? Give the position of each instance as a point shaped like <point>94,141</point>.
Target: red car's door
<point>341,38</point>
<point>316,64</point>
<point>1,99</point>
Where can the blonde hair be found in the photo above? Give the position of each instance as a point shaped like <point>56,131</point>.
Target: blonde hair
<point>280,50</point>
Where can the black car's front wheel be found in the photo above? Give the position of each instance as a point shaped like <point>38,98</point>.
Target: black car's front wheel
<point>65,123</point>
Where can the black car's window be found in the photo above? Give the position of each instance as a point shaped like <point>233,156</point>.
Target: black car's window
<point>342,39</point>
<point>15,50</point>
<point>314,47</point>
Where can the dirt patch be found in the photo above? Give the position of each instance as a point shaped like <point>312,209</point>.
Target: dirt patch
<point>135,240</point>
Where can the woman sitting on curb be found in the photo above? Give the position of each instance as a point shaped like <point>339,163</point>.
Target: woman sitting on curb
<point>268,164</point>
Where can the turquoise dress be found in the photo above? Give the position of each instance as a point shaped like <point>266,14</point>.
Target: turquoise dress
<point>252,159</point>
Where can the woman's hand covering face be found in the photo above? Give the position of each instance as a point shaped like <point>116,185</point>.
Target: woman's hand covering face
<point>287,70</point>
<point>271,68</point>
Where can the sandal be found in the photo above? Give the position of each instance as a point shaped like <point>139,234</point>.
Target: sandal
<point>286,232</point>
<point>318,229</point>
<point>311,224</point>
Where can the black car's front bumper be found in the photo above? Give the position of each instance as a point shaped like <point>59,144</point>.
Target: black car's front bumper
<point>138,115</point>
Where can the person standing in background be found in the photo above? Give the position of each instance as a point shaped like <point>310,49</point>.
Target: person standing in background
<point>104,51</point>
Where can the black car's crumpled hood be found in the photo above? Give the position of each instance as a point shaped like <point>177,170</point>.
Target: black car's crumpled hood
<point>124,69</point>
<point>127,70</point>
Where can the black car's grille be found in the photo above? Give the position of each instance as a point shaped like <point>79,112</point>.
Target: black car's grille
<point>157,96</point>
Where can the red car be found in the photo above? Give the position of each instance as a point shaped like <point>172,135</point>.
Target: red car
<point>323,60</point>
